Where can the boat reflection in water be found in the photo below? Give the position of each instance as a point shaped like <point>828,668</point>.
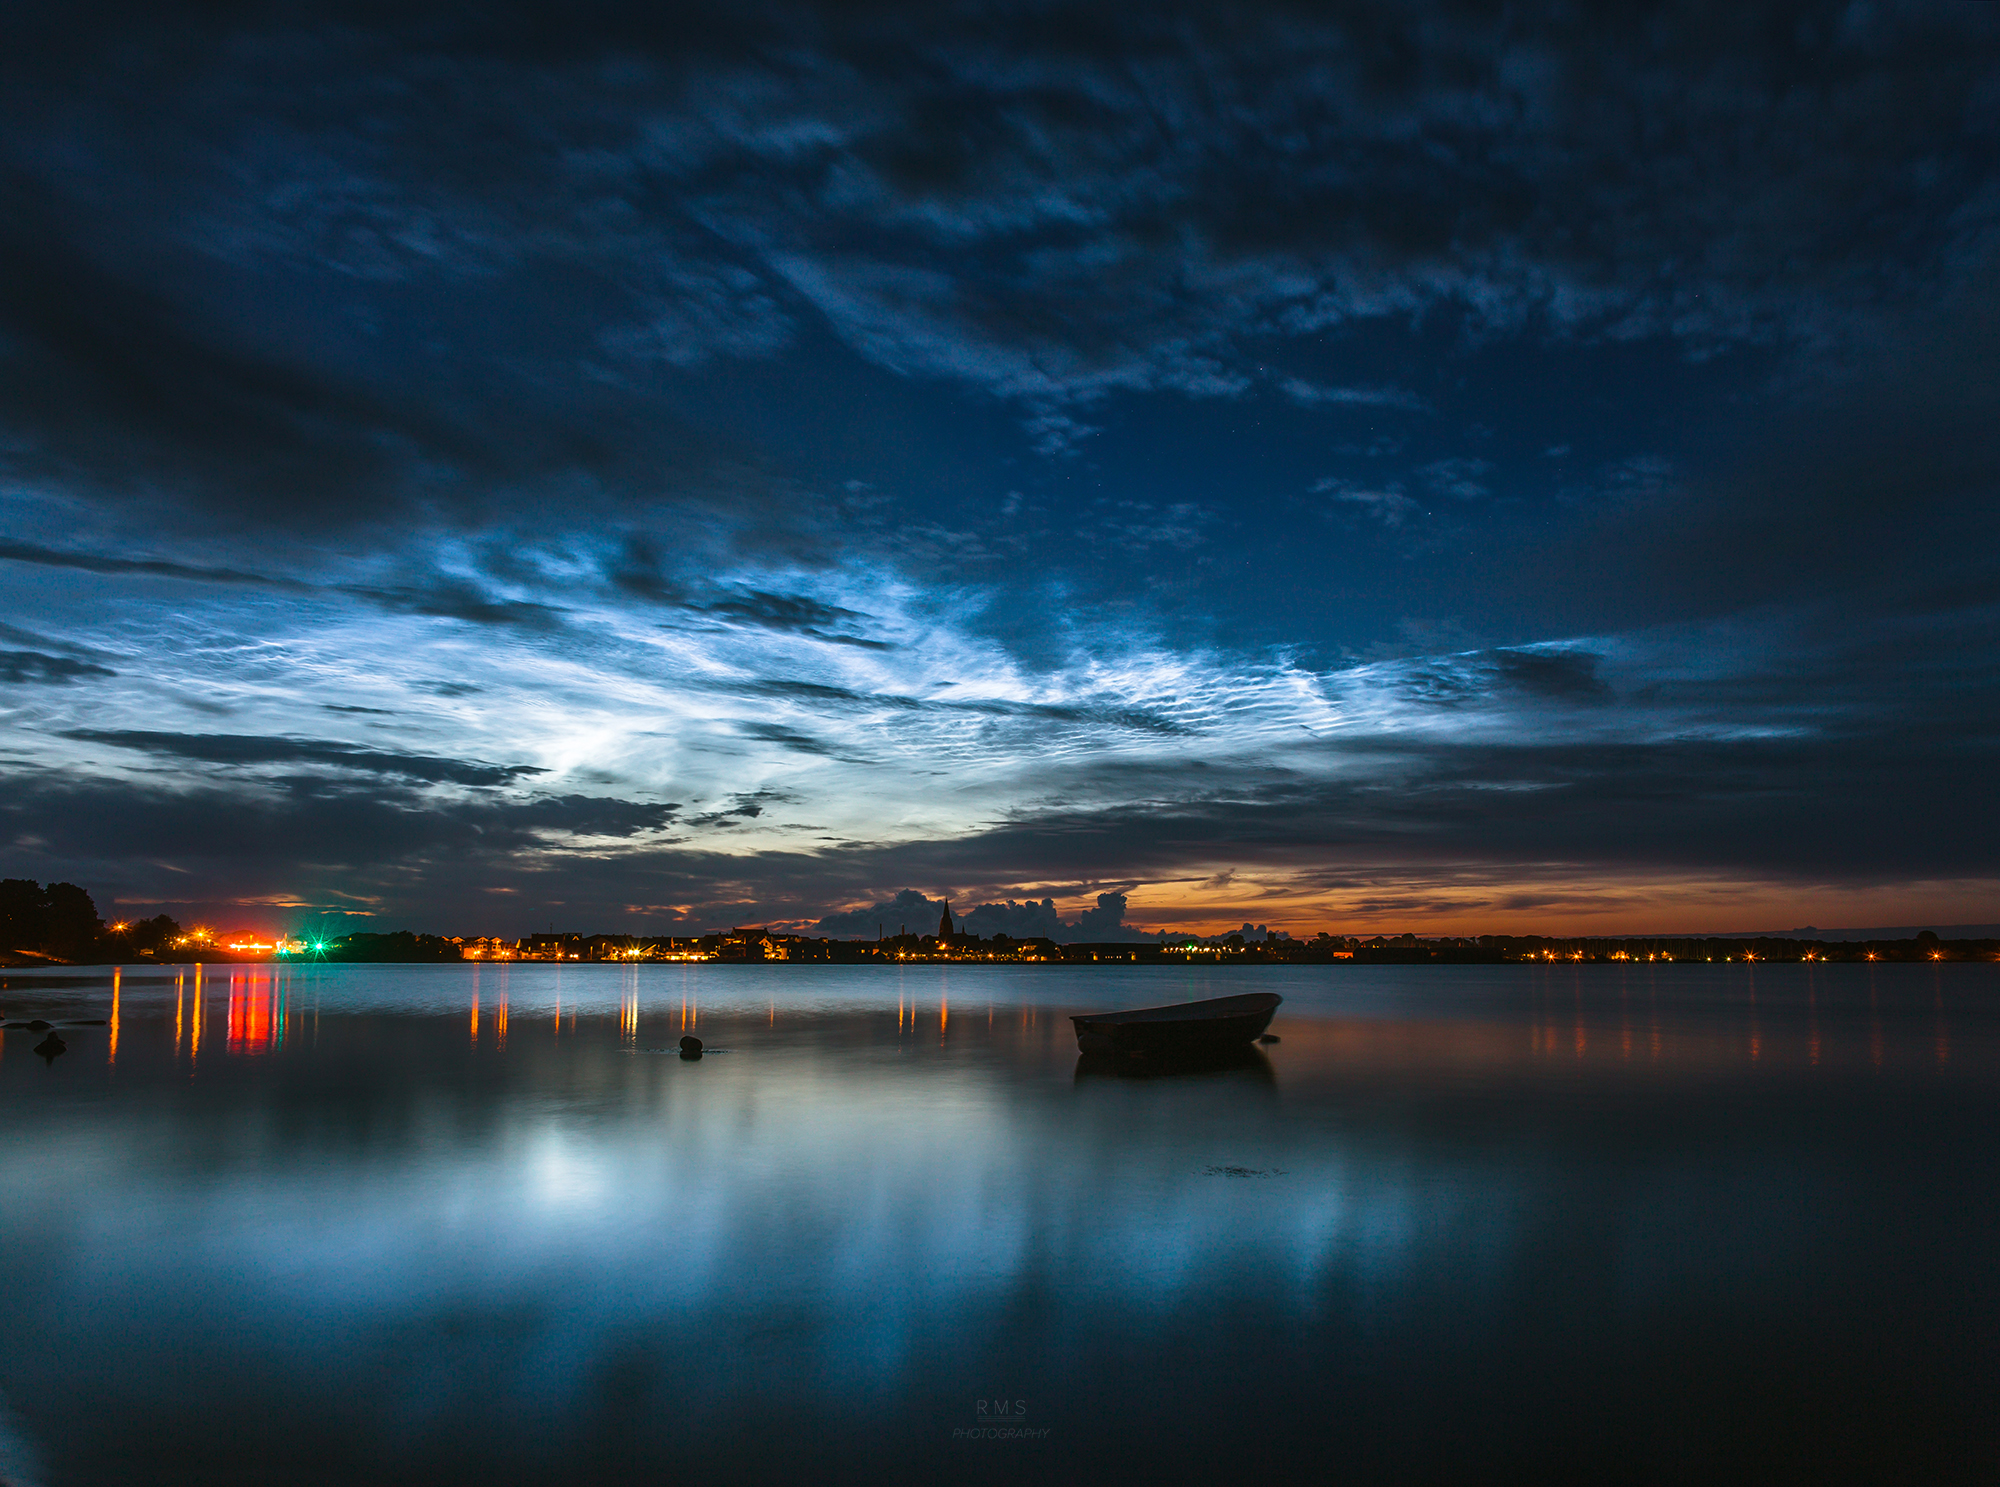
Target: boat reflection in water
<point>1242,1064</point>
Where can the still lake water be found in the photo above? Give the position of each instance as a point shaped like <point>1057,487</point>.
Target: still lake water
<point>360,1224</point>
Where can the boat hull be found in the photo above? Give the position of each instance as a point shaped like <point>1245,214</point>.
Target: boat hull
<point>1189,1028</point>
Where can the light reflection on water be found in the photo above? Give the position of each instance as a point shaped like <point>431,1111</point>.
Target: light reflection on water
<point>480,1223</point>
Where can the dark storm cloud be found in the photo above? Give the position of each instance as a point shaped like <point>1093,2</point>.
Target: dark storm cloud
<point>1053,205</point>
<point>229,748</point>
<point>1478,679</point>
<point>460,600</point>
<point>584,815</point>
<point>48,557</point>
<point>792,614</point>
<point>1569,676</point>
<point>125,829</point>
<point>747,806</point>
<point>344,843</point>
<point>639,570</point>
<point>789,738</point>
<point>1484,816</point>
<point>125,376</point>
<point>821,694</point>
<point>1694,806</point>
<point>1138,718</point>
<point>22,667</point>
<point>109,381</point>
<point>1046,204</point>
<point>1885,491</point>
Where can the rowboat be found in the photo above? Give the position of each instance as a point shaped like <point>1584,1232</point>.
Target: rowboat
<point>1189,1027</point>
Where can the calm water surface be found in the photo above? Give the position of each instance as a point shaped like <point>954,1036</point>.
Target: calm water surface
<point>451,1224</point>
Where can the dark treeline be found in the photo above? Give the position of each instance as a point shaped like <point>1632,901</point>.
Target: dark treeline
<point>60,922</point>
<point>399,947</point>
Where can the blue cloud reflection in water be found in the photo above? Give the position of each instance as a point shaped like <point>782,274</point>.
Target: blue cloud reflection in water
<point>347,1223</point>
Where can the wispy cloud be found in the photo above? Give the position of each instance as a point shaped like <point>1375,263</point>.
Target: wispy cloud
<point>89,562</point>
<point>1313,395</point>
<point>239,749</point>
<point>1387,504</point>
<point>26,668</point>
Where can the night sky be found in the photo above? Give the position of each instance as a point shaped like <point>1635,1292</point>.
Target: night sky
<point>1371,468</point>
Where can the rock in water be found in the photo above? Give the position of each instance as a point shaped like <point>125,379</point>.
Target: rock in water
<point>50,1047</point>
<point>690,1044</point>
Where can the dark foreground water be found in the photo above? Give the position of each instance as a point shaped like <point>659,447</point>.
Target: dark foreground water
<point>446,1225</point>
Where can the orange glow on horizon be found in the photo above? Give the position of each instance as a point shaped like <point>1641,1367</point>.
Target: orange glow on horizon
<point>1568,905</point>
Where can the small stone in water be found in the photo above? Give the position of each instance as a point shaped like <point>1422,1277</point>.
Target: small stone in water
<point>690,1044</point>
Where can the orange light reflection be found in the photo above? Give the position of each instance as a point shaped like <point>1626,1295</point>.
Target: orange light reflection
<point>1812,1023</point>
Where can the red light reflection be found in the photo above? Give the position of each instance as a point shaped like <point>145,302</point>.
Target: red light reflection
<point>253,1024</point>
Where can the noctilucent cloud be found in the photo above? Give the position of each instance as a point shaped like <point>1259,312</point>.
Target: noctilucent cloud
<point>1402,468</point>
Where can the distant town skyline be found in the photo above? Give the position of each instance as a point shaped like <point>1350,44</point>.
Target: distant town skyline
<point>57,921</point>
<point>48,925</point>
<point>1163,469</point>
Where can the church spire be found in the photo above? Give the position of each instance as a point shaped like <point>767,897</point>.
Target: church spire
<point>945,930</point>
